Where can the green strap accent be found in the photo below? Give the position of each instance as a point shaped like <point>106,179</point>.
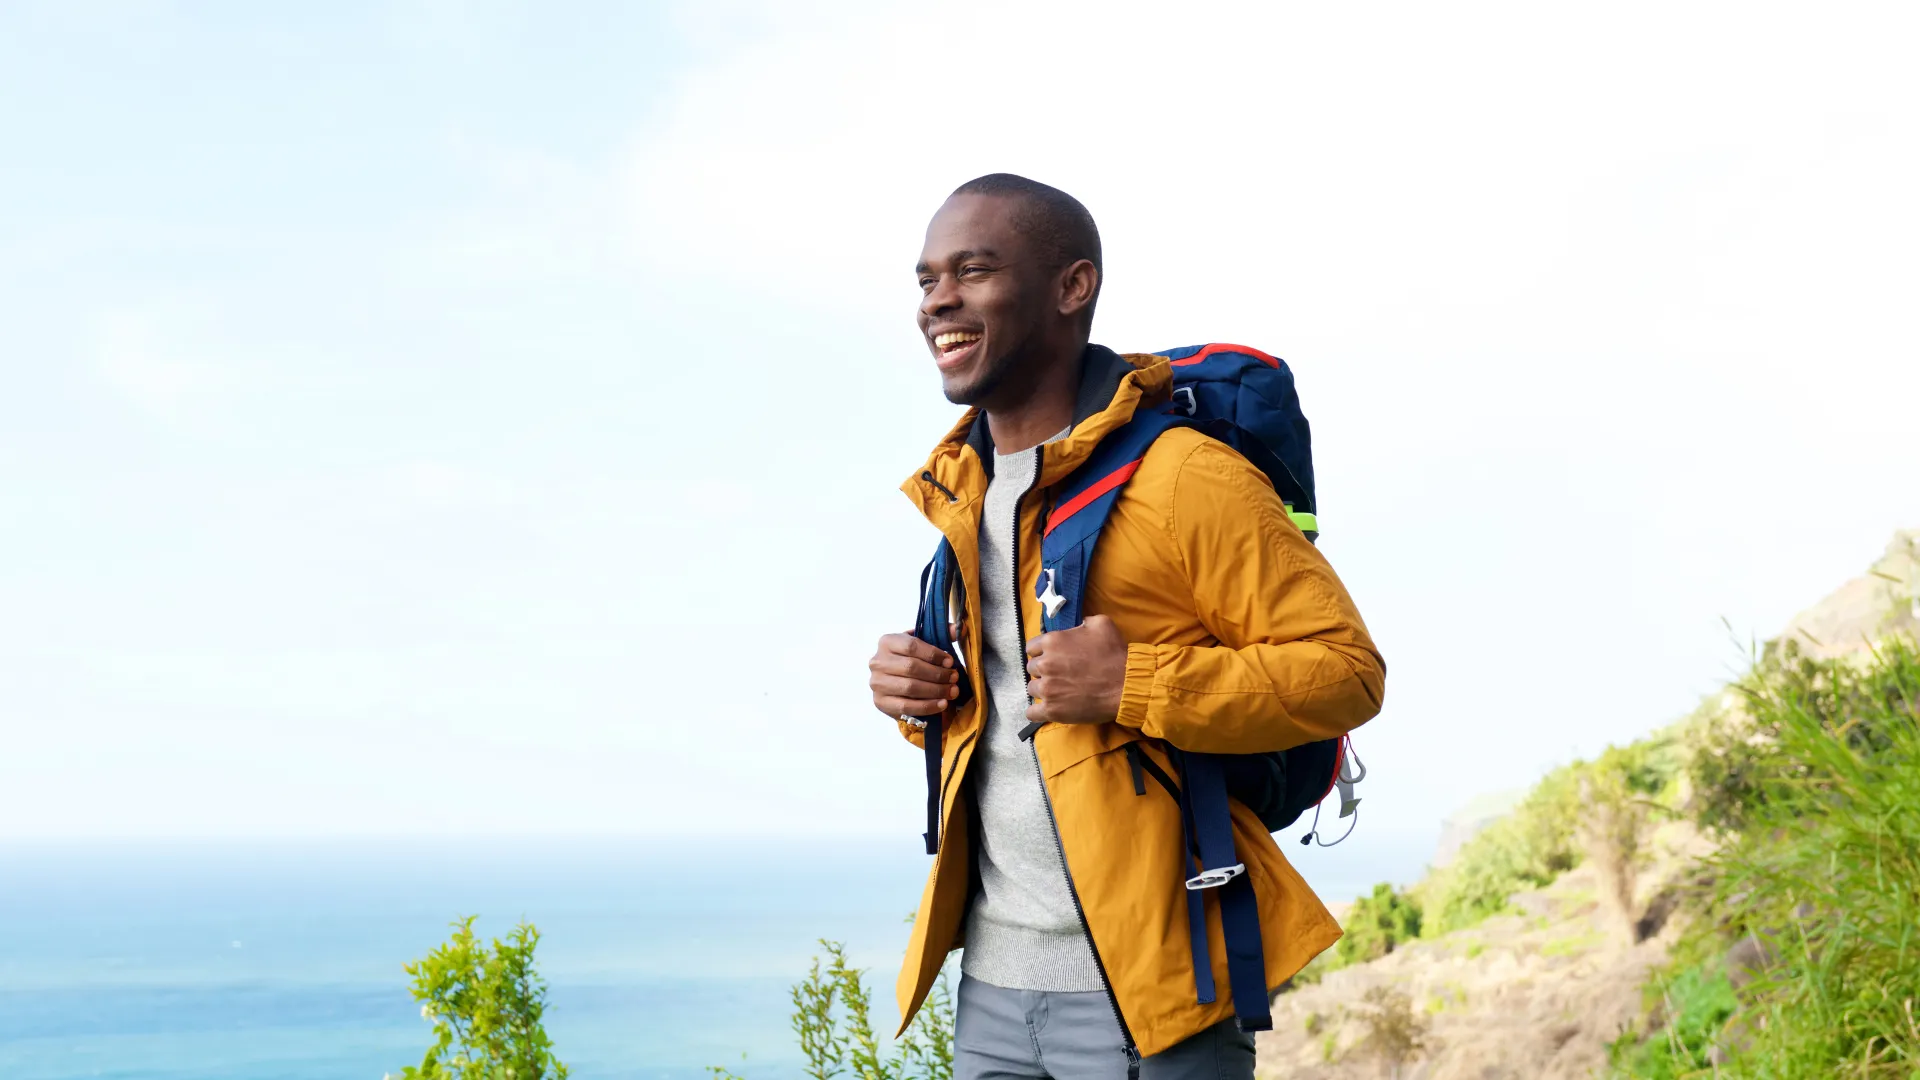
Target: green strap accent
<point>1307,522</point>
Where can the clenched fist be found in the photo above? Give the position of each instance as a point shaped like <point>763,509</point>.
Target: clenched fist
<point>1075,676</point>
<point>911,678</point>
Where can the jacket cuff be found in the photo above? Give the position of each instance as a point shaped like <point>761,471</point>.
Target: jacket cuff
<point>1143,663</point>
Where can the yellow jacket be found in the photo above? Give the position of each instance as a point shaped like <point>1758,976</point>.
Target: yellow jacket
<point>1243,641</point>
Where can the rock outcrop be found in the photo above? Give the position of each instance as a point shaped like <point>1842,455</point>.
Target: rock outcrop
<point>1883,600</point>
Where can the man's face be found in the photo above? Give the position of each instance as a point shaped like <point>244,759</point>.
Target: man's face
<point>984,301</point>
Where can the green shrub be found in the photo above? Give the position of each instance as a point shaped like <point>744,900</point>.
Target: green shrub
<point>1541,839</point>
<point>1377,924</point>
<point>1527,848</point>
<point>486,1004</point>
<point>832,1018</point>
<point>1694,1003</point>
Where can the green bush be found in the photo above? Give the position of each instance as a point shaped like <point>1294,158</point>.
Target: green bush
<point>1526,849</point>
<point>832,1018</point>
<point>1377,925</point>
<point>1541,840</point>
<point>486,1004</point>
<point>1695,1004</point>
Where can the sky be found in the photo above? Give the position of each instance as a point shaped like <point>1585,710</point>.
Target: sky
<point>441,417</point>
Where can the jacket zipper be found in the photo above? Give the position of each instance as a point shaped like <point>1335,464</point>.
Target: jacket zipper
<point>1127,1044</point>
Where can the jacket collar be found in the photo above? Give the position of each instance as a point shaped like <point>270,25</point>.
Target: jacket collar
<point>1101,371</point>
<point>1112,386</point>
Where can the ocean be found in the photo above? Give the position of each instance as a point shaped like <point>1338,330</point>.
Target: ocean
<point>282,960</point>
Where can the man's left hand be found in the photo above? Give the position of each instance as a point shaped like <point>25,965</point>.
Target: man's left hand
<point>1076,676</point>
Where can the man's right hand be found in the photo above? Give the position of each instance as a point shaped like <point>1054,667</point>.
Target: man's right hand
<point>911,678</point>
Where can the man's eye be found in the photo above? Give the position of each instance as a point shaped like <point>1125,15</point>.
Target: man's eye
<point>926,283</point>
<point>965,270</point>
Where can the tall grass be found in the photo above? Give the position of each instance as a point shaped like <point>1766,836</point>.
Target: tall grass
<point>1814,908</point>
<point>1825,872</point>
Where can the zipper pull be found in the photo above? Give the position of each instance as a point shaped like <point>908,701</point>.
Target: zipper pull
<point>940,487</point>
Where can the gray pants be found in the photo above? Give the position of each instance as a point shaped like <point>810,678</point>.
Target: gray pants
<point>1034,1035</point>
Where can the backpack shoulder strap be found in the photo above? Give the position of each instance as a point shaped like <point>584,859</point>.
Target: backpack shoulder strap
<point>1080,509</point>
<point>938,584</point>
<point>1073,527</point>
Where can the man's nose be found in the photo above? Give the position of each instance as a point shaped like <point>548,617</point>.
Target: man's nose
<point>944,296</point>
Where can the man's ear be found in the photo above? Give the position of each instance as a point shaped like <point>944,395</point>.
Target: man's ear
<point>1079,284</point>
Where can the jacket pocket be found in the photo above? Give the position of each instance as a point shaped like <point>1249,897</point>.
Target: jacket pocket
<point>1062,746</point>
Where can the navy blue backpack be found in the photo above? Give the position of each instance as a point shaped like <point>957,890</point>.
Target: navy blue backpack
<point>1246,399</point>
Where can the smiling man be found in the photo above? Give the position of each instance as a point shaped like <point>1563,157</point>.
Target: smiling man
<point>1212,625</point>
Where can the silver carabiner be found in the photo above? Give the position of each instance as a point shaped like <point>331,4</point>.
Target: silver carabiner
<point>1213,879</point>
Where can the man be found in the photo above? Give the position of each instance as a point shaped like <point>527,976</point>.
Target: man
<point>1213,626</point>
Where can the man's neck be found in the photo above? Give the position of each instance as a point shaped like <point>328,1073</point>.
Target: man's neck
<point>1042,413</point>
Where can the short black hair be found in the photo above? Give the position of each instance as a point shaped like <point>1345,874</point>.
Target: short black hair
<point>1059,226</point>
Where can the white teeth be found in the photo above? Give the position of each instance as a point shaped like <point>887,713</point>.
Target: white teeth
<point>944,340</point>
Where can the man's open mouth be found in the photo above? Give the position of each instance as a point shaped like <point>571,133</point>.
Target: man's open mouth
<point>955,345</point>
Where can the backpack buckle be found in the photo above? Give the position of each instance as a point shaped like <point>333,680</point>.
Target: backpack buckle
<point>1213,879</point>
<point>1049,597</point>
<point>1184,402</point>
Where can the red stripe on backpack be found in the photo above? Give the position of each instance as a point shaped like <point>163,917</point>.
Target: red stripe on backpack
<point>1223,348</point>
<point>1080,502</point>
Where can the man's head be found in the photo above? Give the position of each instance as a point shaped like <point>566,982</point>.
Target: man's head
<point>1008,278</point>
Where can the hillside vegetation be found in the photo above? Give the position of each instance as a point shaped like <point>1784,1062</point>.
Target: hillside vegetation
<point>1735,895</point>
<point>1803,951</point>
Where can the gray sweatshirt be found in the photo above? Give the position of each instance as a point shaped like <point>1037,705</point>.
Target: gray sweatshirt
<point>1022,930</point>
